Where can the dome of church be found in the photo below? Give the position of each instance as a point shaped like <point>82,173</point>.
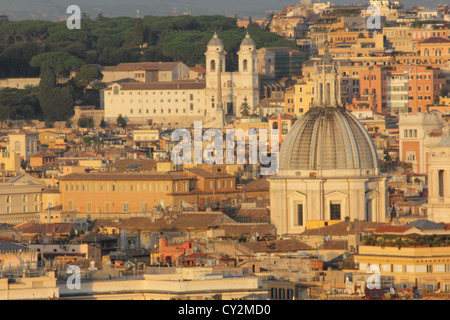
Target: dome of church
<point>215,41</point>
<point>328,138</point>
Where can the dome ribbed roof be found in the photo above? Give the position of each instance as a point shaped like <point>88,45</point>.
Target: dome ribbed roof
<point>328,138</point>
<point>247,41</point>
<point>215,41</point>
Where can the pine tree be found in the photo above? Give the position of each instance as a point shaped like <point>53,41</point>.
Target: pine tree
<point>138,35</point>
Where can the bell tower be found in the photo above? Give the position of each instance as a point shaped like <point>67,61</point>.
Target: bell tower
<point>327,91</point>
<point>215,60</point>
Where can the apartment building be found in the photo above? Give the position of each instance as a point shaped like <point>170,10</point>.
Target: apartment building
<point>434,51</point>
<point>299,97</point>
<point>399,38</point>
<point>116,193</point>
<point>424,267</point>
<point>20,198</point>
<point>416,133</point>
<point>424,85</point>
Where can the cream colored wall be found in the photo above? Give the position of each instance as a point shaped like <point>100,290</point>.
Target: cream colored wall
<point>164,286</point>
<point>149,102</point>
<point>316,195</point>
<point>16,194</point>
<point>42,288</point>
<point>10,161</point>
<point>19,83</point>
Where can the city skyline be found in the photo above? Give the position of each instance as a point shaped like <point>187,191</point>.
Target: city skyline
<point>51,10</point>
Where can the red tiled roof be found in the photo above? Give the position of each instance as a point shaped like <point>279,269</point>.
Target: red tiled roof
<point>435,40</point>
<point>344,228</point>
<point>392,229</point>
<point>123,177</point>
<point>256,185</point>
<point>208,174</point>
<point>279,246</point>
<point>335,245</point>
<point>45,228</point>
<point>177,221</point>
<point>239,229</point>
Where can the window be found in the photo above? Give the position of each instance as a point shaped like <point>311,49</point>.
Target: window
<point>244,65</point>
<point>335,211</point>
<point>441,183</point>
<point>70,205</point>
<point>273,293</point>
<point>300,214</point>
<point>290,294</point>
<point>281,293</point>
<point>125,207</point>
<point>429,268</point>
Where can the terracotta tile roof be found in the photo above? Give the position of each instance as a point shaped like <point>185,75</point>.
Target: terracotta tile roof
<point>335,245</point>
<point>239,229</point>
<point>260,184</point>
<point>344,228</point>
<point>100,223</point>
<point>45,228</point>
<point>435,40</point>
<point>177,221</point>
<point>253,214</point>
<point>208,174</point>
<point>134,165</point>
<point>12,247</point>
<point>392,229</point>
<point>44,154</point>
<point>201,70</point>
<point>278,246</point>
<point>124,177</point>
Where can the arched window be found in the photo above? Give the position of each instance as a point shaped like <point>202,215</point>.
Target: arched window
<point>212,66</point>
<point>244,65</point>
<point>116,90</point>
<point>275,125</point>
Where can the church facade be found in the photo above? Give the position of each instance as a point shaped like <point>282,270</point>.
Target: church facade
<point>181,102</point>
<point>328,167</point>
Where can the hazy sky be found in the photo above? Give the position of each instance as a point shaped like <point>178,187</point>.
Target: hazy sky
<point>51,9</point>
